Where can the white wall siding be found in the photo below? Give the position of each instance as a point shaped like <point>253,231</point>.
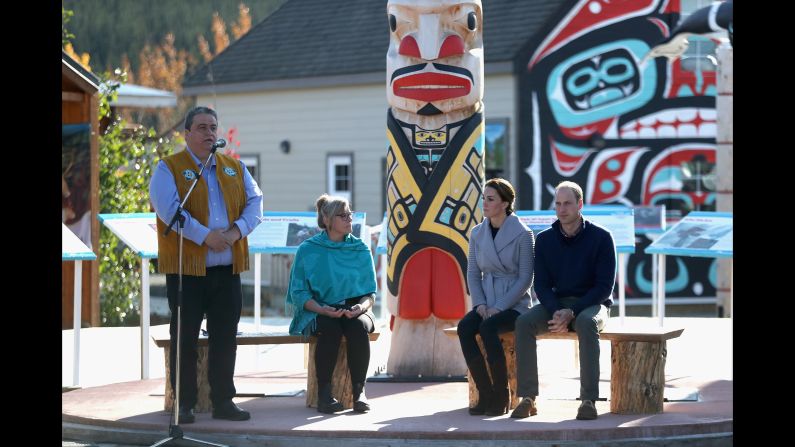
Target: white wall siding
<point>317,122</point>
<point>499,101</point>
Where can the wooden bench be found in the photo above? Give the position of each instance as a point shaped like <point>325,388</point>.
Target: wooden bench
<point>341,386</point>
<point>637,376</point>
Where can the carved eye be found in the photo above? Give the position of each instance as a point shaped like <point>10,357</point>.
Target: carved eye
<point>472,21</point>
<point>392,22</point>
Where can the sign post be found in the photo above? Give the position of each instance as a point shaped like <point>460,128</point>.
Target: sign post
<point>139,232</point>
<point>73,249</point>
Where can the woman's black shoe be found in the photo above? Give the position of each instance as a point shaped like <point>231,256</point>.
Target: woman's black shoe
<point>326,403</point>
<point>360,404</point>
<point>484,401</point>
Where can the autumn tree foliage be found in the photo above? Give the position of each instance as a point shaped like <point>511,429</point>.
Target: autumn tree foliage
<point>66,40</point>
<point>160,66</point>
<point>163,66</point>
<point>220,37</point>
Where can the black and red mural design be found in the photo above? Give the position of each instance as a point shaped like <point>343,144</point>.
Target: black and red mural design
<point>630,130</point>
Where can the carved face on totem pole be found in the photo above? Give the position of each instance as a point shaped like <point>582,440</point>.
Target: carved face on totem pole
<point>434,63</point>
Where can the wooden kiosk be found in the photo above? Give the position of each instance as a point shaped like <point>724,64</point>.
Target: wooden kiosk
<point>80,110</point>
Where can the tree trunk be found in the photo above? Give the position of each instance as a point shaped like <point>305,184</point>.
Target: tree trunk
<point>640,368</point>
<point>341,387</point>
<point>203,403</point>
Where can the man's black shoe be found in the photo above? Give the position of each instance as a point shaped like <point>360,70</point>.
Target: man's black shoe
<point>229,411</point>
<point>186,415</point>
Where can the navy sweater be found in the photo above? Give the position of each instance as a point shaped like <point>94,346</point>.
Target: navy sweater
<point>582,266</point>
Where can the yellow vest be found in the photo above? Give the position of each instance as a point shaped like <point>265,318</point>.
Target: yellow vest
<point>194,256</point>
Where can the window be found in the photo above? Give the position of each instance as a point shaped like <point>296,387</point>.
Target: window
<point>496,157</point>
<point>252,164</point>
<point>340,175</point>
<point>700,53</point>
<point>698,177</point>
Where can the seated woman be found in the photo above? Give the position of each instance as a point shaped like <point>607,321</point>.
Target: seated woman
<point>499,276</point>
<point>332,288</point>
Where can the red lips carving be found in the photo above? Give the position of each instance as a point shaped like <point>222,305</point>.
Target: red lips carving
<point>431,86</point>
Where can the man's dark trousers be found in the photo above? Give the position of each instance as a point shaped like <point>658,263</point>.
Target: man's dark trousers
<point>218,295</point>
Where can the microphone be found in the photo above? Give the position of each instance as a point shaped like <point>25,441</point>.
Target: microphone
<point>219,143</point>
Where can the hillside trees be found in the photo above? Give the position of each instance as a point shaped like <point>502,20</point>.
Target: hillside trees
<point>109,29</point>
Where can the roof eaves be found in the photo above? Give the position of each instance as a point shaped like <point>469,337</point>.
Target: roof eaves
<point>90,79</point>
<point>376,77</point>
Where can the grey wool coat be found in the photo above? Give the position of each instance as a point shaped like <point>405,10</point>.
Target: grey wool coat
<point>500,269</point>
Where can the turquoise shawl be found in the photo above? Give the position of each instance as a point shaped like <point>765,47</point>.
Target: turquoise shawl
<point>328,272</point>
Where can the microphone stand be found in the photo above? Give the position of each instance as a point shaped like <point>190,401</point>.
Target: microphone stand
<point>174,430</point>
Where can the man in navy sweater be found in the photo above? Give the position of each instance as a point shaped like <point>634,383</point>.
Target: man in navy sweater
<point>575,270</point>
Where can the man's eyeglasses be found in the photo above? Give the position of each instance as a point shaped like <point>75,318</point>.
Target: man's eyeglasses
<point>345,216</point>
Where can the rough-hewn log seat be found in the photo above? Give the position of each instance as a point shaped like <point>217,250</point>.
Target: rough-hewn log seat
<point>341,386</point>
<point>637,376</point>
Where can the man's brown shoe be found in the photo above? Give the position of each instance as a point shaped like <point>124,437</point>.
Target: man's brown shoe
<point>527,407</point>
<point>587,410</point>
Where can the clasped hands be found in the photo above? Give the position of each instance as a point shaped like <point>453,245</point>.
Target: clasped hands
<point>486,312</point>
<point>333,312</point>
<point>560,320</point>
<point>220,240</point>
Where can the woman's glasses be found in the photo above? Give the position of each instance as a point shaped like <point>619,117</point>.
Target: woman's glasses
<point>345,216</point>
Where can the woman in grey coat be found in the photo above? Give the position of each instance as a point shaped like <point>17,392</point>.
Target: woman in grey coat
<point>499,276</point>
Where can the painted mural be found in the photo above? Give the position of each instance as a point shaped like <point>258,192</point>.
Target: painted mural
<point>76,180</point>
<point>435,170</point>
<point>631,130</point>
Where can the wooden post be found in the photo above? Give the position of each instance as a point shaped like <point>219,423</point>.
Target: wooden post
<point>724,105</point>
<point>341,386</point>
<point>507,340</point>
<point>419,347</point>
<point>203,402</point>
<point>639,367</point>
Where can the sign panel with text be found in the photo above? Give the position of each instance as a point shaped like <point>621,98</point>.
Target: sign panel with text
<point>618,219</point>
<point>283,232</point>
<point>701,234</point>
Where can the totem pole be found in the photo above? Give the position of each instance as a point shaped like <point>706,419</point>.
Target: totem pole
<point>435,131</point>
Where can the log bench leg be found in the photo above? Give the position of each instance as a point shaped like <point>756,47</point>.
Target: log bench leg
<point>341,386</point>
<point>637,377</point>
<point>507,340</point>
<point>203,403</point>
